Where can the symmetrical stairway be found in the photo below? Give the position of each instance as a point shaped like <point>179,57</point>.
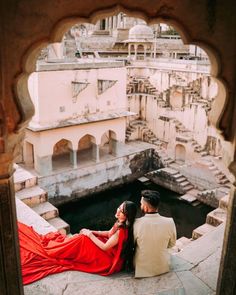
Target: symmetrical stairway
<point>171,179</point>
<point>31,194</point>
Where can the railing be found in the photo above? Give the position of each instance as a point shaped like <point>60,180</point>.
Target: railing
<point>202,66</point>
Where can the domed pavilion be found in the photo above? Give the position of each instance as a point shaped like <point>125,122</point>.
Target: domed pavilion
<point>140,41</point>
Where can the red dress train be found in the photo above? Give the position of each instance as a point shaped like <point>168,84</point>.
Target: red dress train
<point>42,255</point>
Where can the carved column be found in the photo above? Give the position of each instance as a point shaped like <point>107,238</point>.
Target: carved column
<point>10,272</point>
<point>115,147</point>
<point>145,52</point>
<point>95,152</point>
<point>73,158</point>
<point>129,53</point>
<point>135,51</point>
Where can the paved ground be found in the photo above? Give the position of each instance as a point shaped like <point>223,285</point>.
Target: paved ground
<point>194,270</point>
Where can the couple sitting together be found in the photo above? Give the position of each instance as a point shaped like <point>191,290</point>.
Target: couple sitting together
<point>132,242</point>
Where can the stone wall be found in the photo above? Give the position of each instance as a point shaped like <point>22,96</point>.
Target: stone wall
<point>68,185</point>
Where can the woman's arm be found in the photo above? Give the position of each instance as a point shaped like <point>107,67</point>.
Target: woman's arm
<point>111,242</point>
<point>104,233</point>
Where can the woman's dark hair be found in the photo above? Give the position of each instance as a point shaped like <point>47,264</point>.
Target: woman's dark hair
<point>130,210</point>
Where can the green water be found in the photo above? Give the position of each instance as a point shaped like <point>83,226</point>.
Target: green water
<point>97,211</point>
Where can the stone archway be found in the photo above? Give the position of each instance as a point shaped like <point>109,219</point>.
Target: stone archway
<point>19,49</point>
<point>87,150</point>
<point>61,157</point>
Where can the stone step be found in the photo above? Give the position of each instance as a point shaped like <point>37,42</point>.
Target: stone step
<point>224,202</point>
<point>216,217</point>
<point>217,172</point>
<point>170,171</point>
<point>202,230</point>
<point>46,210</point>
<point>23,179</point>
<point>188,198</point>
<point>181,179</point>
<point>177,175</point>
<point>188,187</point>
<point>184,183</point>
<point>180,244</point>
<point>169,161</point>
<point>213,168</point>
<point>224,181</point>
<point>221,177</point>
<point>62,226</point>
<point>32,196</point>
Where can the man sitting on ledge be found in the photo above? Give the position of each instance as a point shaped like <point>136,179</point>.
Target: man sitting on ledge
<point>153,234</point>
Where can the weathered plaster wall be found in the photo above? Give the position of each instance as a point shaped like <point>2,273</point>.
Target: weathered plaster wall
<point>64,186</point>
<point>51,92</point>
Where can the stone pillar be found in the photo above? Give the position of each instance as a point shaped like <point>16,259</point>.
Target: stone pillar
<point>43,165</point>
<point>114,22</point>
<point>115,147</point>
<point>10,271</point>
<point>28,153</point>
<point>155,48</point>
<point>118,21</point>
<point>109,23</point>
<point>145,51</point>
<point>73,158</point>
<point>106,23</point>
<point>135,51</point>
<point>95,152</point>
<point>129,53</point>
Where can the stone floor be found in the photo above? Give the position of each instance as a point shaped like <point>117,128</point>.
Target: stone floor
<point>194,270</point>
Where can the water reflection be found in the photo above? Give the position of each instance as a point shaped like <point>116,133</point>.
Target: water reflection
<point>97,211</point>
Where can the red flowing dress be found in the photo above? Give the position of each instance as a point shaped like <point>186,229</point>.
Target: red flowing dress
<point>42,255</point>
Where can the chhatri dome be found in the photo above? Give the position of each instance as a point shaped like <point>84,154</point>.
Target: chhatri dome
<point>141,33</point>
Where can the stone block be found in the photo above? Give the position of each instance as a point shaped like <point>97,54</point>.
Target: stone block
<point>224,202</point>
<point>202,230</point>
<point>32,196</point>
<point>188,198</point>
<point>62,226</point>
<point>46,210</point>
<point>23,179</point>
<point>216,217</point>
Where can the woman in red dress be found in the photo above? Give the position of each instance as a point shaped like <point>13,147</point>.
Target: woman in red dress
<point>99,252</point>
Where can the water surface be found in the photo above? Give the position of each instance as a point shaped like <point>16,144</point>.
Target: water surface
<point>97,211</point>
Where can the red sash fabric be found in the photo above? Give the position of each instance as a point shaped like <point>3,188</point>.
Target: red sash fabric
<point>42,255</point>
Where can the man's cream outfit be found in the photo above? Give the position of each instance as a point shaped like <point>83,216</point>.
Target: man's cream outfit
<point>153,234</point>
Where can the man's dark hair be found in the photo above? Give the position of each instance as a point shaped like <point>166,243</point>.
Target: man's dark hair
<point>151,197</point>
